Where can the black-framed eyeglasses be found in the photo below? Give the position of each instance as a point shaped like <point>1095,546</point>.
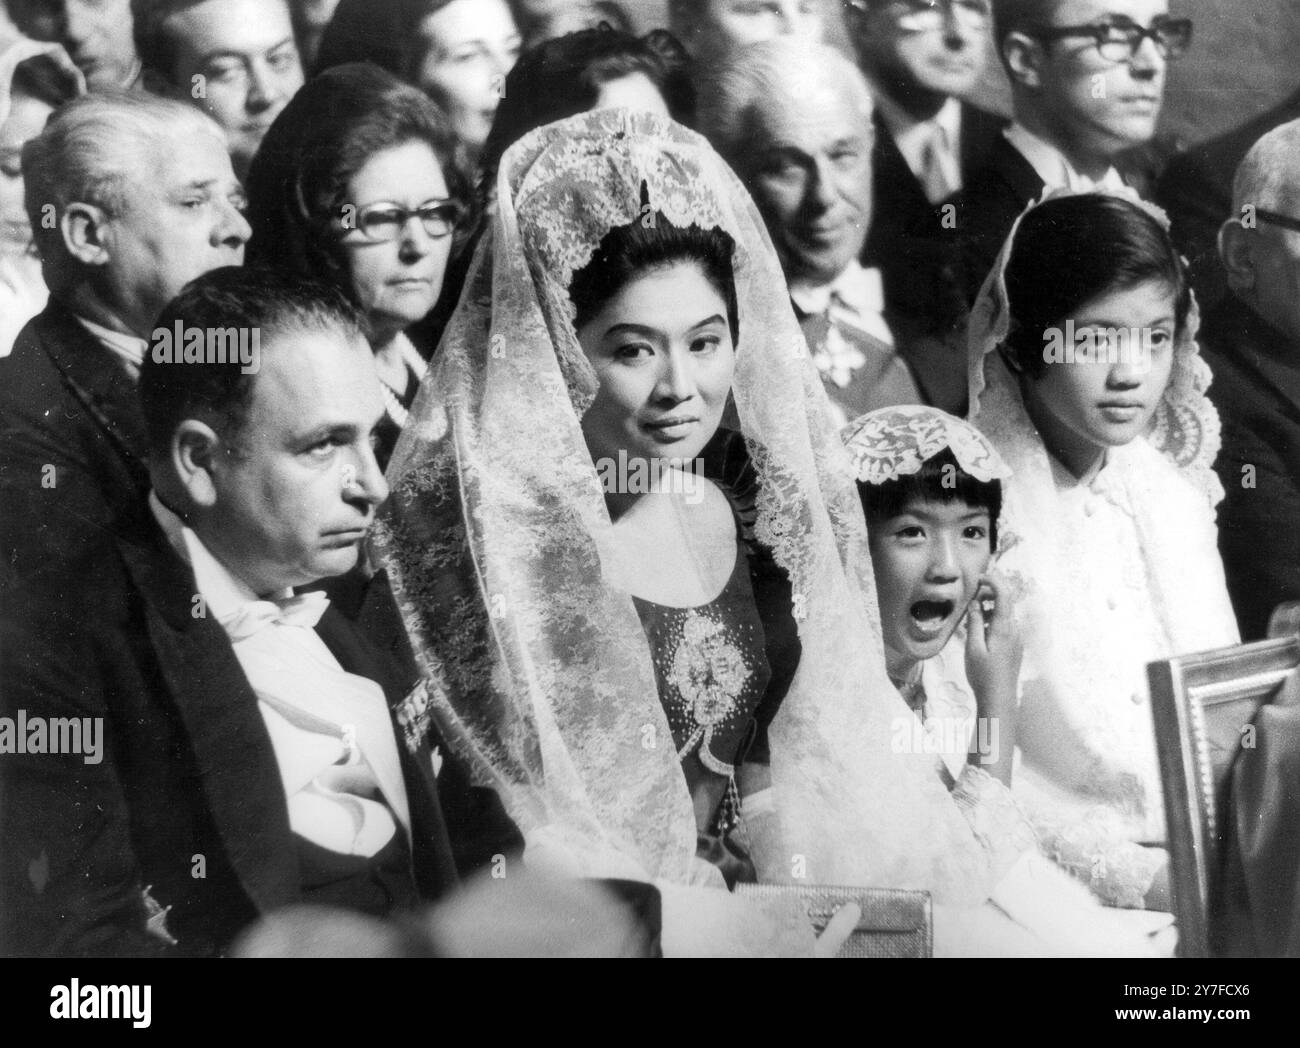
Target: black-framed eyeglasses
<point>922,15</point>
<point>1276,218</point>
<point>1118,40</point>
<point>385,221</point>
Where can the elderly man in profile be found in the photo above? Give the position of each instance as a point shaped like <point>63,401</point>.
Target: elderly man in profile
<point>793,118</point>
<point>1251,341</point>
<point>129,197</point>
<point>237,60</point>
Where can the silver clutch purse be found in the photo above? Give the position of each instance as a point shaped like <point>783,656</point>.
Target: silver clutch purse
<point>894,923</point>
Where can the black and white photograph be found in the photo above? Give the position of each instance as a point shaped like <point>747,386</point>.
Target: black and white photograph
<point>651,479</point>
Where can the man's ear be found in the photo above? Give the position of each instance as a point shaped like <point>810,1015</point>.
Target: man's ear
<point>1024,57</point>
<point>1236,249</point>
<point>194,450</point>
<point>84,228</point>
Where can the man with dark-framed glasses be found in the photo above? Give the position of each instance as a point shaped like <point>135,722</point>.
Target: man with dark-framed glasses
<point>922,58</point>
<point>1087,84</point>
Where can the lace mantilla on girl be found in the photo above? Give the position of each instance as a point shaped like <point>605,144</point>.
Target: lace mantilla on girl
<point>1113,574</point>
<point>897,441</point>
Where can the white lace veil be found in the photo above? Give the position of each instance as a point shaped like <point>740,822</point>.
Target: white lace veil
<point>1165,482</point>
<point>497,531</point>
<point>1186,425</point>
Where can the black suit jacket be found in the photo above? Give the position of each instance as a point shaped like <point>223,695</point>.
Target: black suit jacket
<point>1196,190</point>
<point>986,209</point>
<point>72,443</point>
<point>187,801</point>
<point>1255,898</point>
<point>900,206</point>
<point>1256,388</point>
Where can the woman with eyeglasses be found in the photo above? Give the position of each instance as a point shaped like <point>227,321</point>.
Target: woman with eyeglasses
<point>355,182</point>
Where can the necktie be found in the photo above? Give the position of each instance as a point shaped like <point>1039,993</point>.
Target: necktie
<point>936,179</point>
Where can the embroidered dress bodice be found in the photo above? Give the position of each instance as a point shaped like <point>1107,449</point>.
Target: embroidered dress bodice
<point>712,673</point>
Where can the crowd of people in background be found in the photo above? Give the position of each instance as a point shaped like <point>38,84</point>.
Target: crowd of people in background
<point>638,427</point>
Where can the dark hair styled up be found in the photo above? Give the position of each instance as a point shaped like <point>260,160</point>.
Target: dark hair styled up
<point>562,77</point>
<point>940,479</point>
<point>648,243</point>
<point>297,183</point>
<point>1073,249</point>
<point>267,300</point>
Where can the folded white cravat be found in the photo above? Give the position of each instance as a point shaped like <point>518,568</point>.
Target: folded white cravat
<point>330,730</point>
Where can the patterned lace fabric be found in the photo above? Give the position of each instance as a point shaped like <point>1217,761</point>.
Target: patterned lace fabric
<point>1111,575</point>
<point>897,441</point>
<point>498,540</point>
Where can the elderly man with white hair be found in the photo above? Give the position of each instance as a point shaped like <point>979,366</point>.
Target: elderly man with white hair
<point>793,118</point>
<point>130,197</point>
<point>1252,342</point>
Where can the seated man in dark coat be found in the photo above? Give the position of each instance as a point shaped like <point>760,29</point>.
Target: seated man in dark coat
<point>1251,341</point>
<point>130,197</point>
<point>1196,190</point>
<point>237,748</point>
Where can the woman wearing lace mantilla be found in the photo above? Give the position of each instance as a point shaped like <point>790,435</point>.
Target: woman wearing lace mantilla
<point>669,667</point>
<point>1085,375</point>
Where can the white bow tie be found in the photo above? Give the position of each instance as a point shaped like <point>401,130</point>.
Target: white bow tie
<point>303,609</point>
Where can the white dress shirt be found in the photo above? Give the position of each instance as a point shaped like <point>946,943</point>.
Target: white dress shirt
<point>856,297</point>
<point>1053,167</point>
<point>925,144</point>
<point>330,730</point>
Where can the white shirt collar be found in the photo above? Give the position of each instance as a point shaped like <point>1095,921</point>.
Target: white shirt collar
<point>855,297</point>
<point>1053,167</point>
<point>127,348</point>
<point>857,287</point>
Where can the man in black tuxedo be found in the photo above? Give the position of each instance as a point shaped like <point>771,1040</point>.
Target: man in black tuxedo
<point>1251,341</point>
<point>256,748</point>
<point>129,197</point>
<point>921,59</point>
<point>1196,190</point>
<point>1087,85</point>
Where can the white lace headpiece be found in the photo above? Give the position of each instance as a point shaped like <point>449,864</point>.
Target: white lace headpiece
<point>497,540</point>
<point>1087,640</point>
<point>1185,426</point>
<point>897,441</point>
